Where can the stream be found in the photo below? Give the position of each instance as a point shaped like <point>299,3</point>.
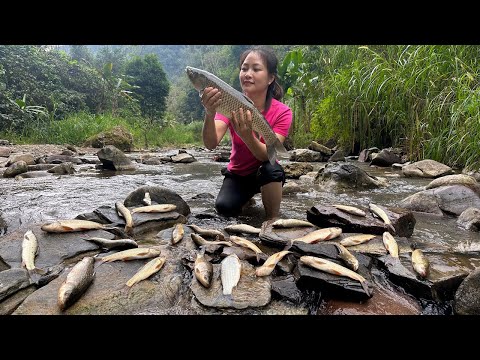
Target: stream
<point>43,199</point>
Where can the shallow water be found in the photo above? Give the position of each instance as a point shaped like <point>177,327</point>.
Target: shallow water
<point>38,200</point>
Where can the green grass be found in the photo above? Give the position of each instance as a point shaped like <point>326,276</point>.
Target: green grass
<point>76,128</point>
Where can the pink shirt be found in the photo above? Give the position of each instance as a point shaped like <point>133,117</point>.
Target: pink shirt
<point>242,162</point>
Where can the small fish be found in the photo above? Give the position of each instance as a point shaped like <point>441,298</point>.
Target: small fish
<point>147,200</point>
<point>242,228</point>
<point>420,263</point>
<point>112,244</point>
<point>269,264</point>
<point>132,254</point>
<point>158,208</point>
<point>29,250</point>
<point>390,244</point>
<point>203,269</point>
<point>207,232</point>
<point>147,270</point>
<point>63,226</point>
<point>382,215</point>
<point>347,256</point>
<point>350,209</point>
<point>247,244</point>
<point>356,239</point>
<point>123,211</point>
<point>78,280</point>
<point>288,223</point>
<point>316,236</point>
<point>177,233</point>
<point>231,269</point>
<point>335,269</point>
<point>200,241</point>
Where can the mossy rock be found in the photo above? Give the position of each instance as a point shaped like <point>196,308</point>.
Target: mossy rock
<point>117,136</point>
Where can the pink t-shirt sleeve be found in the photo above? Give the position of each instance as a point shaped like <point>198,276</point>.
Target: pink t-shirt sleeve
<point>283,120</point>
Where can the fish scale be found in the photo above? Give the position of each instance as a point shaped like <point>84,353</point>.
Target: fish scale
<point>233,100</point>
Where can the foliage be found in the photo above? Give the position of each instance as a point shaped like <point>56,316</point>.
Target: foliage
<point>151,86</point>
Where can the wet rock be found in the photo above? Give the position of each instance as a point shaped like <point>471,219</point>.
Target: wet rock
<point>27,158</point>
<point>5,151</point>
<point>402,220</point>
<point>32,174</point>
<point>117,136</point>
<point>334,286</point>
<point>114,159</point>
<point>446,273</point>
<point>40,167</point>
<point>15,169</point>
<point>467,296</point>
<point>305,155</point>
<point>54,248</point>
<point>338,155</point>
<point>3,265</point>
<point>456,179</point>
<point>153,222</point>
<point>470,219</point>
<point>286,288</point>
<point>386,157</point>
<point>423,201</point>
<point>159,195</point>
<point>60,159</point>
<point>347,175</point>
<point>426,168</point>
<point>183,158</point>
<point>455,199</point>
<point>251,291</point>
<point>63,169</point>
<point>295,170</point>
<point>315,146</point>
<point>8,305</point>
<point>366,154</point>
<point>243,254</point>
<point>13,280</point>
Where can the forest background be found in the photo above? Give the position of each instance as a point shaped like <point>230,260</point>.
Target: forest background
<point>424,99</point>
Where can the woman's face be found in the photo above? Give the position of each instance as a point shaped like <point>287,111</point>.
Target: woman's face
<point>254,77</point>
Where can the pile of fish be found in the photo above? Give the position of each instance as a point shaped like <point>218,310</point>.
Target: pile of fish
<point>82,273</point>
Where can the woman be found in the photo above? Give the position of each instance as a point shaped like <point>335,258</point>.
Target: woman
<point>249,171</point>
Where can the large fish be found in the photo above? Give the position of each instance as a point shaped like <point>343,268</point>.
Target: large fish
<point>316,236</point>
<point>377,210</point>
<point>242,228</point>
<point>350,209</point>
<point>420,263</point>
<point>390,244</point>
<point>207,232</point>
<point>269,264</point>
<point>72,225</point>
<point>347,256</point>
<point>77,281</point>
<point>232,100</point>
<point>335,269</point>
<point>112,244</point>
<point>289,223</point>
<point>123,211</point>
<point>231,269</point>
<point>203,269</point>
<point>29,251</point>
<point>356,239</point>
<point>132,254</point>
<point>246,244</point>
<point>158,208</point>
<point>147,270</point>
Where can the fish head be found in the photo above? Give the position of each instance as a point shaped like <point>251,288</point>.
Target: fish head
<point>197,78</point>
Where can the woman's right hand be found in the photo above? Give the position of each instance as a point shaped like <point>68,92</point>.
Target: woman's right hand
<point>211,98</point>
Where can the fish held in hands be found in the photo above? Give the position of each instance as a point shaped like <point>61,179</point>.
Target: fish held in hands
<point>231,101</point>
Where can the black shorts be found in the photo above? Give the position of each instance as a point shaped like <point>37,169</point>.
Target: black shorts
<point>237,190</point>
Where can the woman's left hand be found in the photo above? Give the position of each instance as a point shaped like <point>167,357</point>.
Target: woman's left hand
<point>242,123</point>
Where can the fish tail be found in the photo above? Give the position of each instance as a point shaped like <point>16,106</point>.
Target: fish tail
<point>272,154</point>
<point>281,151</point>
<point>392,229</point>
<point>288,246</point>
<point>365,288</point>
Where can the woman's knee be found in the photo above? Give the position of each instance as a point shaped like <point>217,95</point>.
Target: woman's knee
<point>225,208</point>
<point>268,173</point>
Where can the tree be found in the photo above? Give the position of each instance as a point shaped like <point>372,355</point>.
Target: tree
<point>151,83</point>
